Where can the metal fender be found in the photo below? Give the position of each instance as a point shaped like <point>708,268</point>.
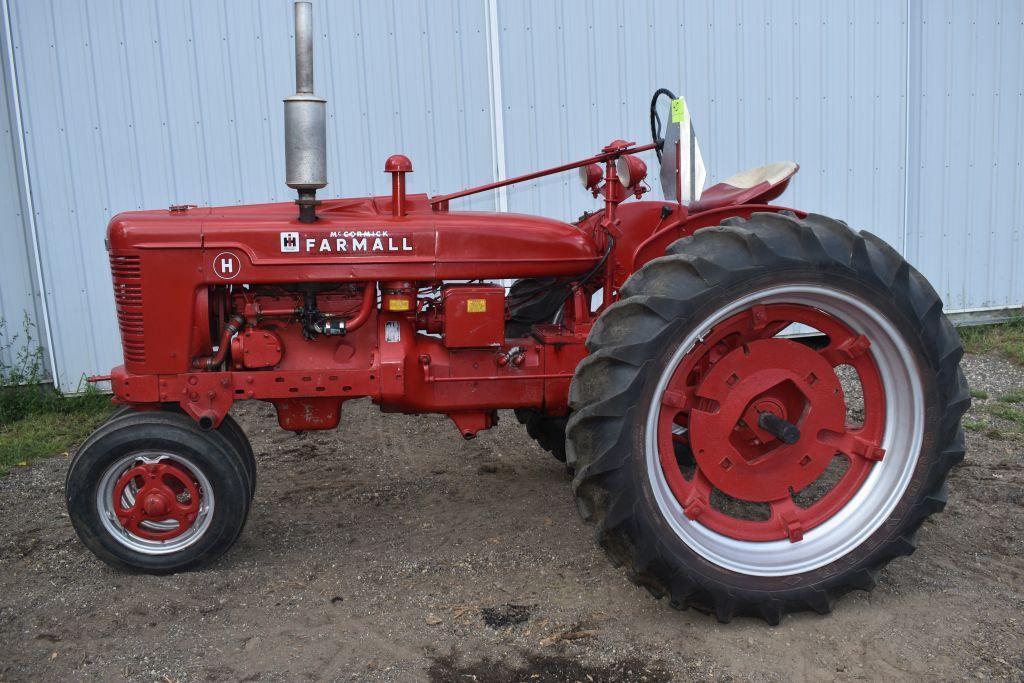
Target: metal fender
<point>682,225</point>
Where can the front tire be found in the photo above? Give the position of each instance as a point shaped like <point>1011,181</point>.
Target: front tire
<point>228,428</point>
<point>696,497</point>
<point>152,492</point>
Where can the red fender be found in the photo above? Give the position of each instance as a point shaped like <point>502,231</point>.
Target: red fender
<point>682,225</point>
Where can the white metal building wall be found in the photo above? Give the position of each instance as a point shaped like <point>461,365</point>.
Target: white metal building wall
<point>906,116</point>
<point>820,83</point>
<point>966,149</point>
<point>18,290</point>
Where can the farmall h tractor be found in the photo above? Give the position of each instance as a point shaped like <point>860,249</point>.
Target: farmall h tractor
<point>759,406</point>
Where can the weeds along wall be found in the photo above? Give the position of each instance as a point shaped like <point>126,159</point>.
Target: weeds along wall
<point>907,118</point>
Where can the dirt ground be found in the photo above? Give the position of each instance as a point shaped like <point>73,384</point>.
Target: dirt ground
<point>391,549</point>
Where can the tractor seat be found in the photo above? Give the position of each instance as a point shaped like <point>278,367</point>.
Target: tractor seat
<point>755,186</point>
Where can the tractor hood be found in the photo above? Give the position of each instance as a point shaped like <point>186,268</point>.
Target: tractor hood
<point>359,239</point>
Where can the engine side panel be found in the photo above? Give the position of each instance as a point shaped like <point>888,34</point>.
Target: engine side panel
<point>162,261</point>
<point>414,247</point>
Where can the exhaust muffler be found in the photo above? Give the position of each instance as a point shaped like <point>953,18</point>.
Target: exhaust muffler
<point>305,123</point>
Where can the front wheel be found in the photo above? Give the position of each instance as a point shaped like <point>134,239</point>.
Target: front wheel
<point>767,416</point>
<point>150,491</point>
<point>228,428</point>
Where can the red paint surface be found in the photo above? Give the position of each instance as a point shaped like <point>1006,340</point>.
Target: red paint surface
<point>741,369</point>
<point>180,276</point>
<point>164,491</point>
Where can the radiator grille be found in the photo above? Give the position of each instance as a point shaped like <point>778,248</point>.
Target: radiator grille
<point>127,274</point>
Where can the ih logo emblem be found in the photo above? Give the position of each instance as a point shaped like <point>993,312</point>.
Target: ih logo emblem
<point>289,242</point>
<point>226,265</point>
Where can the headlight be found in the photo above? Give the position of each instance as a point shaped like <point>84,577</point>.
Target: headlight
<point>591,176</point>
<point>631,169</point>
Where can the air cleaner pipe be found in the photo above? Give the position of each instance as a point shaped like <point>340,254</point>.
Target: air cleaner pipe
<point>369,303</point>
<point>398,165</point>
<point>233,327</point>
<point>305,123</point>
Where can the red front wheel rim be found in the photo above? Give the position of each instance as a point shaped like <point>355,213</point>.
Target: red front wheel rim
<point>155,502</point>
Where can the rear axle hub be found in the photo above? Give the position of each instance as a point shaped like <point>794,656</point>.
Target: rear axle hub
<point>766,371</point>
<point>763,419</point>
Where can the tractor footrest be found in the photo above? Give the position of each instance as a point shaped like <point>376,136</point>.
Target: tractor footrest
<point>557,335</point>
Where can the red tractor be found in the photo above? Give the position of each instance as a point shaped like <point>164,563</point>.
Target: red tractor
<point>760,406</point>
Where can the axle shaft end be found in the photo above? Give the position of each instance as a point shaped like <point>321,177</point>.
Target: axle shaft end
<point>784,431</point>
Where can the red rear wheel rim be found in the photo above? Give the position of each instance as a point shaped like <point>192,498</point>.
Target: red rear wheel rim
<point>741,368</point>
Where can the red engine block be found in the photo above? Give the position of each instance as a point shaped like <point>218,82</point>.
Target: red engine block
<point>444,352</point>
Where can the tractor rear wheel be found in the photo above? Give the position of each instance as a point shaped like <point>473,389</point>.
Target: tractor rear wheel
<point>739,470</point>
<point>532,301</point>
<point>150,491</point>
<point>229,428</point>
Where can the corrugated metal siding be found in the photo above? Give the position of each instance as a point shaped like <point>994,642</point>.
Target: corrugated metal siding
<point>819,83</point>
<point>144,104</point>
<point>17,285</point>
<point>966,149</point>
<point>824,84</point>
<point>141,104</point>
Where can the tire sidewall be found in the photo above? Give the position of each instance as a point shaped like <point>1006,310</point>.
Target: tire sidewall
<point>229,429</point>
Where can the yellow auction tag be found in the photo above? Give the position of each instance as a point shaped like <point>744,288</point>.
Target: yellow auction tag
<point>678,110</point>
<point>476,305</point>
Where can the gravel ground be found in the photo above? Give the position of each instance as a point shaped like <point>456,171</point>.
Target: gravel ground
<point>391,549</point>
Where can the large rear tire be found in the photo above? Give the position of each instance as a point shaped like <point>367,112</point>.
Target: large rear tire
<point>709,503</point>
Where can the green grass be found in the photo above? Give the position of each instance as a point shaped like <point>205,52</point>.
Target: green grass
<point>1006,339</point>
<point>1013,397</point>
<point>1006,412</point>
<point>974,425</point>
<point>35,421</point>
<point>978,393</point>
<point>1003,411</point>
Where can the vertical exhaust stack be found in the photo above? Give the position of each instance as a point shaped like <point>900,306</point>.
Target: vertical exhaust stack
<point>305,123</point>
